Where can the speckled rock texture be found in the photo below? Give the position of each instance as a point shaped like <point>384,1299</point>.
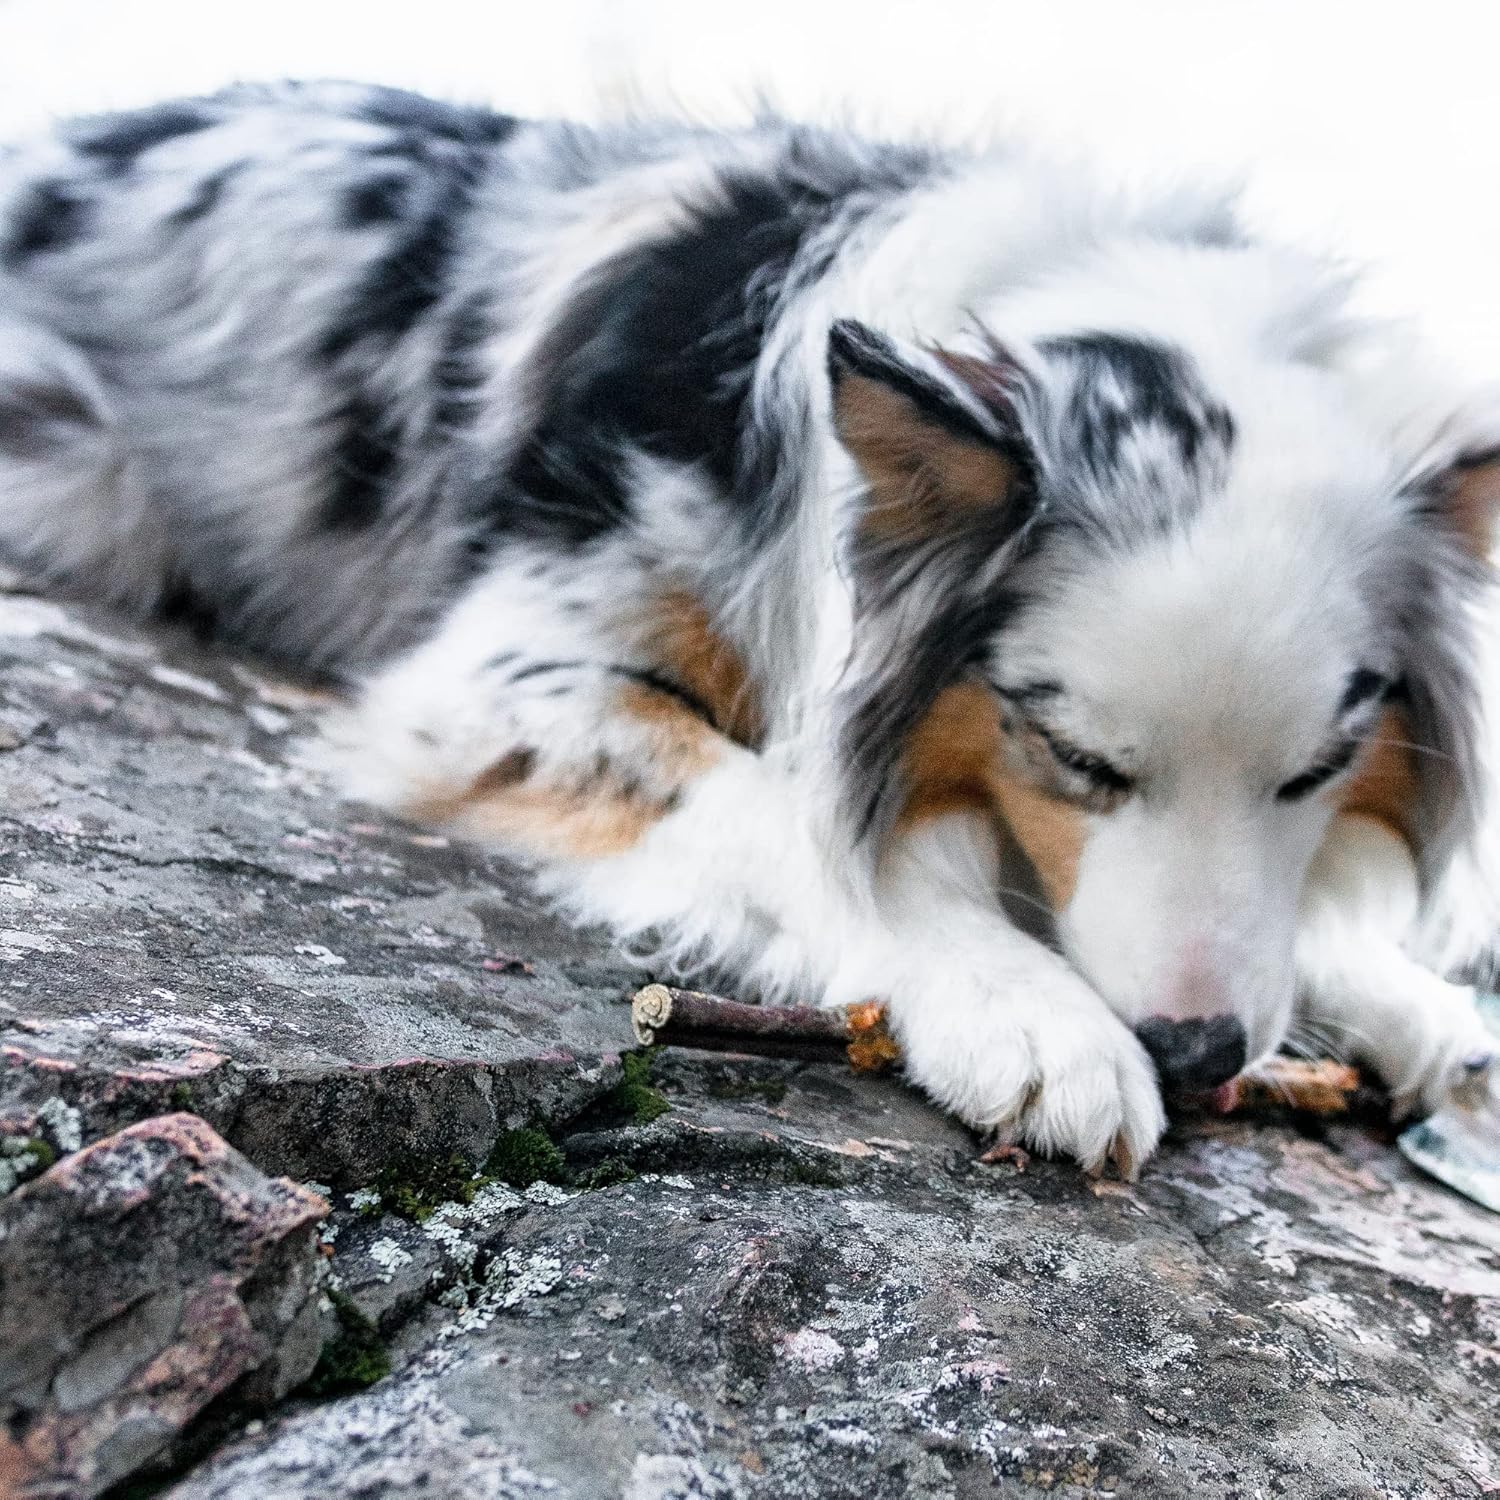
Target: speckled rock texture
<point>793,1283</point>
<point>141,1278</point>
<point>188,921</point>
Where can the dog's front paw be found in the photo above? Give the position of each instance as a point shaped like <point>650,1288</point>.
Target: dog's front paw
<point>1423,1036</point>
<point>1063,1076</point>
<point>1449,1053</point>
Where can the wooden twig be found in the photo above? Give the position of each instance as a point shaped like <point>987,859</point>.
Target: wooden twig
<point>1318,1087</point>
<point>664,1016</point>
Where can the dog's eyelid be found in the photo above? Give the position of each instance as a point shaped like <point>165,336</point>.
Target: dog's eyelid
<point>1093,768</point>
<point>1328,766</point>
<point>1024,693</point>
<point>1100,773</point>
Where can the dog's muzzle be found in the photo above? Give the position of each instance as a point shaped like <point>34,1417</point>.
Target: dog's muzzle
<point>1196,1055</point>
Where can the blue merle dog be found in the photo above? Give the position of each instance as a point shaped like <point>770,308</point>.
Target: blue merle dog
<point>863,569</point>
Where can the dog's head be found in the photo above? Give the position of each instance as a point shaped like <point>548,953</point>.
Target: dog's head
<point>1170,615</point>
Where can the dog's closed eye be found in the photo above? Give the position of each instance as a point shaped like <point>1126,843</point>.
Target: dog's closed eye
<point>1365,690</point>
<point>1094,769</point>
<point>1091,777</point>
<point>1328,766</point>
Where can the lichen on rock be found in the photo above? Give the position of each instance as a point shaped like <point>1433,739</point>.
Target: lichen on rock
<point>795,1283</point>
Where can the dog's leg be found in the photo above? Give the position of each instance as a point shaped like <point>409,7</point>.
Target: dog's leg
<point>992,1025</point>
<point>1359,991</point>
<point>638,814</point>
<point>995,1026</point>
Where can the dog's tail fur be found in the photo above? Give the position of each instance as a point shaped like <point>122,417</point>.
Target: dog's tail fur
<point>70,506</point>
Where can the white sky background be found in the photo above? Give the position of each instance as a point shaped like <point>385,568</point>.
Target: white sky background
<point>1366,128</point>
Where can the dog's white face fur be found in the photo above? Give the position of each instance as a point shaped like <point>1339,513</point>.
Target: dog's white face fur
<point>1220,599</point>
<point>1210,667</point>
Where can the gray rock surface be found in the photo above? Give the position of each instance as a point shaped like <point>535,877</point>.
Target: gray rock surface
<point>810,1288</point>
<point>141,1278</point>
<point>187,920</point>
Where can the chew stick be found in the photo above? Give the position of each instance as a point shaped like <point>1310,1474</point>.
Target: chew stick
<point>1321,1087</point>
<point>664,1016</point>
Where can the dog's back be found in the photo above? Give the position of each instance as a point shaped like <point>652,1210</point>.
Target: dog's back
<point>295,358</point>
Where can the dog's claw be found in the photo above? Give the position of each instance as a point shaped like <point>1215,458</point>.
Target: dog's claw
<point>1124,1160</point>
<point>1017,1156</point>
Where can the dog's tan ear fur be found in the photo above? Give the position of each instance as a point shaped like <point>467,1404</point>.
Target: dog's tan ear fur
<point>922,475</point>
<point>1473,502</point>
<point>928,429</point>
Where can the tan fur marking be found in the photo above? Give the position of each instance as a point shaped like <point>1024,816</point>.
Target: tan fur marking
<point>682,745</point>
<point>918,472</point>
<point>588,825</point>
<point>952,756</point>
<point>1385,786</point>
<point>1050,830</point>
<point>594,816</point>
<point>588,814</point>
<point>1475,503</point>
<point>956,762</point>
<point>680,637</point>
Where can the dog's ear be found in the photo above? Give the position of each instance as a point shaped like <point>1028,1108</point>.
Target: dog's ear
<point>949,490</point>
<point>1469,495</point>
<point>1455,490</point>
<point>933,432</point>
<point>1446,441</point>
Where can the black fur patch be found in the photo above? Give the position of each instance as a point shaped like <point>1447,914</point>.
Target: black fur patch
<point>393,296</point>
<point>50,216</point>
<point>667,363</point>
<point>662,357</point>
<point>412,277</point>
<point>1363,685</point>
<point>379,199</point>
<point>205,197</point>
<point>568,490</point>
<point>364,460</point>
<point>38,419</point>
<point>458,374</point>
<point>180,604</point>
<point>1123,384</point>
<point>120,139</point>
<point>461,123</point>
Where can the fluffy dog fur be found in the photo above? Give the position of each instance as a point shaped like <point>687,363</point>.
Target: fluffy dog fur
<point>860,569</point>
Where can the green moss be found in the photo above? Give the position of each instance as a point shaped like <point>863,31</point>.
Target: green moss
<point>415,1196</point>
<point>610,1172</point>
<point>181,1096</point>
<point>812,1173</point>
<point>768,1090</point>
<point>633,1097</point>
<point>354,1357</point>
<point>404,1199</point>
<point>41,1153</point>
<point>524,1156</point>
<point>22,1158</point>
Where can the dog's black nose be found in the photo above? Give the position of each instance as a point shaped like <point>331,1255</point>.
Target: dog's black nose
<point>1193,1056</point>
